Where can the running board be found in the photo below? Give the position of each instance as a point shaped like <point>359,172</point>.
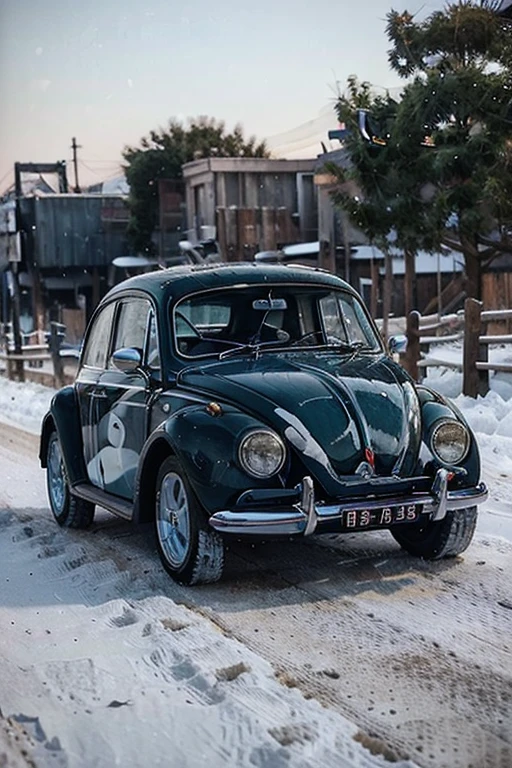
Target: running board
<point>121,507</point>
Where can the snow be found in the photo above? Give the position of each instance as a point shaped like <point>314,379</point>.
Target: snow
<point>302,249</point>
<point>449,383</point>
<point>99,666</point>
<point>24,405</point>
<point>425,262</point>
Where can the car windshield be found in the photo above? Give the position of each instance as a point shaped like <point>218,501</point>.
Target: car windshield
<point>234,320</point>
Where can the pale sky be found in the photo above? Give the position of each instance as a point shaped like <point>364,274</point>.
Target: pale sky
<point>109,71</point>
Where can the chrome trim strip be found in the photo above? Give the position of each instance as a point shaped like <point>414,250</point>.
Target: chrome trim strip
<point>304,519</point>
<point>307,505</point>
<point>440,493</point>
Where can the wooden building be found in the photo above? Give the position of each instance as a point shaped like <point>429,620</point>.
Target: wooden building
<point>250,204</point>
<point>68,244</point>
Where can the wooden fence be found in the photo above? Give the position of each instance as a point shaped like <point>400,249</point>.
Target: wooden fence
<point>30,363</point>
<point>468,327</point>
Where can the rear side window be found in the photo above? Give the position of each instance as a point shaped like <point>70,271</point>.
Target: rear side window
<point>97,346</point>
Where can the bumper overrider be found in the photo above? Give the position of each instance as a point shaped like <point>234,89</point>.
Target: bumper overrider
<point>288,512</point>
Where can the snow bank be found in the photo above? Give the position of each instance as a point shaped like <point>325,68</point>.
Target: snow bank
<point>24,405</point>
<point>491,416</point>
<point>448,382</point>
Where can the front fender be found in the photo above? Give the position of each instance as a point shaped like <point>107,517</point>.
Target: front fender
<point>207,449</point>
<point>64,417</point>
<point>435,407</point>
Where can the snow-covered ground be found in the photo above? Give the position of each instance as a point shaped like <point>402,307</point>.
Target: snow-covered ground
<point>103,664</point>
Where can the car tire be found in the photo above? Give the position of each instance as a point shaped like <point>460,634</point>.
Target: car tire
<point>191,552</point>
<point>433,540</point>
<point>68,510</point>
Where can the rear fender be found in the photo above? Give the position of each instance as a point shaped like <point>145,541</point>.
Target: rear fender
<point>64,418</point>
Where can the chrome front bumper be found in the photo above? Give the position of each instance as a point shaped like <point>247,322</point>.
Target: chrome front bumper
<point>307,516</point>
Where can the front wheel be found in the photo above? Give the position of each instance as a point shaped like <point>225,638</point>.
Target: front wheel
<point>191,552</point>
<point>68,510</point>
<point>433,540</point>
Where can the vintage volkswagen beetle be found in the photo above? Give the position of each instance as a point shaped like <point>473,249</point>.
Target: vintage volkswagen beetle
<point>254,400</point>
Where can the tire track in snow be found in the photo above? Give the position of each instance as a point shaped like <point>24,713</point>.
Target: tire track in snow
<point>123,674</point>
<point>418,654</point>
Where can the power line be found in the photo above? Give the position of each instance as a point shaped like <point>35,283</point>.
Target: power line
<point>91,170</point>
<point>102,162</point>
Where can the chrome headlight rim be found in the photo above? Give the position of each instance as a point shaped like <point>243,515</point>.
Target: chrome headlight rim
<point>243,445</point>
<point>450,423</point>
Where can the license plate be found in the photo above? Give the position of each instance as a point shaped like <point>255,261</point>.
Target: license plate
<point>381,518</point>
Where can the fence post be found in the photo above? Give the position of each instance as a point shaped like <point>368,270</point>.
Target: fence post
<point>483,376</point>
<point>326,257</point>
<point>412,354</point>
<point>472,331</point>
<point>57,333</point>
<point>4,344</point>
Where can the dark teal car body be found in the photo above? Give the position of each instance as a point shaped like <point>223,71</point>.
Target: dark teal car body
<point>254,400</point>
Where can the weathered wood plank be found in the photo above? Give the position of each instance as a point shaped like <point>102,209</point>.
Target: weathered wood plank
<point>412,354</point>
<point>489,366</point>
<point>473,382</point>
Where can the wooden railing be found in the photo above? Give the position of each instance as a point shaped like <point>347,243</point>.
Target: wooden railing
<point>468,327</point>
<point>29,364</point>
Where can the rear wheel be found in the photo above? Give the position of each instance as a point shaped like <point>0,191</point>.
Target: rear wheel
<point>434,540</point>
<point>191,552</point>
<point>68,510</point>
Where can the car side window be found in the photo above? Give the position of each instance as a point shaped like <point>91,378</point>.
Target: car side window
<point>356,323</point>
<point>131,324</point>
<point>153,353</point>
<point>97,346</point>
<point>334,326</point>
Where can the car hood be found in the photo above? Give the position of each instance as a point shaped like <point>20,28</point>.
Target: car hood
<point>343,413</point>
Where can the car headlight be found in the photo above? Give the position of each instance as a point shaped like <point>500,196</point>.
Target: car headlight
<point>261,453</point>
<point>450,442</point>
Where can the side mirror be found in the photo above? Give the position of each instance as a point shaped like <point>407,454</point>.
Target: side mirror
<point>127,359</point>
<point>397,344</point>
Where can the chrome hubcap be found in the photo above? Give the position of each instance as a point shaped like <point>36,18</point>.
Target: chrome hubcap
<point>173,520</point>
<point>56,477</point>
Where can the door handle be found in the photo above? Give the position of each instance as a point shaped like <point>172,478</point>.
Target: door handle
<point>100,394</point>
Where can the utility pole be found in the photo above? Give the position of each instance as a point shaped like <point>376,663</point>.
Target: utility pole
<point>74,147</point>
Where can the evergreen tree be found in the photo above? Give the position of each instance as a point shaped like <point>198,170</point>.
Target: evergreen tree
<point>382,182</point>
<point>162,154</point>
<point>442,158</point>
<point>461,99</point>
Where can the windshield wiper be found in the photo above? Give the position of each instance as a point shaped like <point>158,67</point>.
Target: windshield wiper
<point>252,348</point>
<point>347,347</point>
<point>361,346</point>
<point>255,348</point>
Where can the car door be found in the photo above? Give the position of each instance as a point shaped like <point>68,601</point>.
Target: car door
<point>124,399</point>
<point>92,364</point>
